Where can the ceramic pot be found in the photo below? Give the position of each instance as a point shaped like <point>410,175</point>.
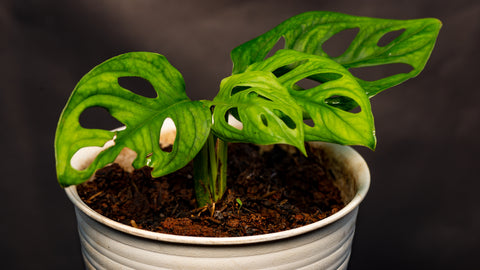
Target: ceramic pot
<point>325,244</point>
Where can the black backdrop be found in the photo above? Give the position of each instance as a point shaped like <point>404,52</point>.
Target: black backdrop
<point>422,209</point>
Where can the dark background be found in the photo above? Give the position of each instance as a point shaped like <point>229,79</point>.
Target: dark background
<point>422,210</point>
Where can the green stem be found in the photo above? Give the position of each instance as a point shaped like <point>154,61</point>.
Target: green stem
<point>222,149</point>
<point>210,171</point>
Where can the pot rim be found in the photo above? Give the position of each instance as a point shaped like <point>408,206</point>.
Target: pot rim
<point>341,152</point>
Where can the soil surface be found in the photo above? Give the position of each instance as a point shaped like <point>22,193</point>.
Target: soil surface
<point>278,190</point>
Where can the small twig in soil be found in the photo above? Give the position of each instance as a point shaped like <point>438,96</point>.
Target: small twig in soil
<point>200,209</point>
<point>212,210</point>
<point>174,209</point>
<point>248,210</point>
<point>135,186</point>
<point>268,194</point>
<point>223,208</point>
<point>203,209</point>
<point>211,219</point>
<point>94,195</point>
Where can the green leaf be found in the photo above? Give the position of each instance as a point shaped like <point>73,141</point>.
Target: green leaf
<point>267,112</point>
<point>142,116</point>
<point>331,124</point>
<point>308,32</point>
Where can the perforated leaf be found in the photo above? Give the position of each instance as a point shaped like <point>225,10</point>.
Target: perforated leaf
<point>309,31</point>
<point>330,123</point>
<point>142,116</point>
<point>266,111</point>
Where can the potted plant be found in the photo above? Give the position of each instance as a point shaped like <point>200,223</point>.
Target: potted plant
<point>262,102</point>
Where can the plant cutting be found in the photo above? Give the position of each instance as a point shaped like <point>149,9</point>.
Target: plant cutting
<point>264,101</point>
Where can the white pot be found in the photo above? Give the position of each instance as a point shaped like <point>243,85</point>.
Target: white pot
<point>325,244</point>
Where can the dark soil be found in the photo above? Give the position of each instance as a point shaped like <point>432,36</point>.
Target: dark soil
<point>279,190</point>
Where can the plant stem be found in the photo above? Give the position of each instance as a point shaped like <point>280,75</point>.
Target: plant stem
<point>210,171</point>
<point>222,149</point>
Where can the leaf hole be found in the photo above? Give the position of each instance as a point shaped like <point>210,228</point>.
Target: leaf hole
<point>233,118</point>
<point>374,73</point>
<point>85,156</point>
<point>307,83</point>
<point>357,109</point>
<point>280,71</point>
<point>126,158</point>
<point>285,119</point>
<point>309,122</point>
<point>138,85</point>
<point>326,77</point>
<point>97,117</point>
<point>264,98</point>
<point>387,38</point>
<point>238,89</point>
<point>278,46</point>
<point>316,80</point>
<point>254,94</point>
<point>168,133</point>
<point>344,103</point>
<point>264,120</point>
<point>337,44</point>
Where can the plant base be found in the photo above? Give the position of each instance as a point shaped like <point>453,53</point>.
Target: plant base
<point>269,191</point>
